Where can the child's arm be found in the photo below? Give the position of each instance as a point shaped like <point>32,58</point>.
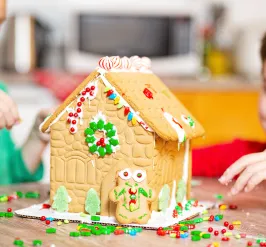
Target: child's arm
<point>252,170</point>
<point>213,161</point>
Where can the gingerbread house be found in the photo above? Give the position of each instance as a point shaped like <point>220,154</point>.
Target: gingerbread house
<point>122,116</point>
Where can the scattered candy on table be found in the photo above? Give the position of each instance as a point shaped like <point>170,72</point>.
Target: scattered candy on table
<point>36,242</point>
<point>51,230</point>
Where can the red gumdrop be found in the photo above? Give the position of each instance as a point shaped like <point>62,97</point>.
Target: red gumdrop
<point>160,228</point>
<point>103,145</point>
<point>78,110</point>
<point>9,210</point>
<point>76,115</point>
<point>82,99</point>
<point>72,129</point>
<point>211,218</point>
<point>109,93</point>
<point>232,206</point>
<point>216,233</point>
<point>74,121</point>
<point>91,93</point>
<point>249,243</point>
<point>102,140</point>
<point>47,222</point>
<point>70,114</point>
<point>43,218</point>
<point>191,226</point>
<point>231,227</point>
<point>226,223</point>
<point>88,89</point>
<point>178,234</point>
<point>92,87</point>
<point>126,111</point>
<point>225,239</point>
<point>45,205</point>
<point>223,231</point>
<point>69,120</point>
<point>98,143</point>
<point>210,229</point>
<point>83,93</point>
<point>161,232</point>
<point>79,104</point>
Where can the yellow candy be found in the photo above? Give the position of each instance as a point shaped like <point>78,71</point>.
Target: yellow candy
<point>116,100</point>
<point>118,227</point>
<point>206,218</point>
<point>205,212</point>
<point>172,235</point>
<point>134,121</point>
<point>202,233</point>
<point>181,232</point>
<point>66,221</point>
<point>237,236</point>
<point>237,222</point>
<point>227,234</point>
<point>216,244</point>
<point>59,223</point>
<point>223,207</point>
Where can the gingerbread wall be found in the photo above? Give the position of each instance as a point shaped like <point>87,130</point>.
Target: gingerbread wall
<point>72,164</point>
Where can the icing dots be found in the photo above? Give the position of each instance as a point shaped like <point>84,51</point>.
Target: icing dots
<point>137,175</point>
<point>125,64</point>
<point>75,115</point>
<point>188,120</point>
<point>176,126</point>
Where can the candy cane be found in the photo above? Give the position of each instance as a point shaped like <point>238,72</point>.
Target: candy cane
<point>126,63</point>
<point>106,63</point>
<point>136,62</point>
<point>117,62</point>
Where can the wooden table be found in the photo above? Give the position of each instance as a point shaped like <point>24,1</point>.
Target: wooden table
<point>251,211</point>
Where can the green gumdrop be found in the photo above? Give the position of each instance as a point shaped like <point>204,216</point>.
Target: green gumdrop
<point>114,142</point>
<point>93,148</point>
<point>164,198</point>
<point>111,133</point>
<point>90,139</point>
<point>109,149</point>
<point>89,131</point>
<point>100,124</point>
<point>108,126</point>
<point>101,151</point>
<point>181,191</point>
<point>93,126</point>
<point>92,203</point>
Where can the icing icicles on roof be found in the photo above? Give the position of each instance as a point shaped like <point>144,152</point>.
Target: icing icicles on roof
<point>125,64</point>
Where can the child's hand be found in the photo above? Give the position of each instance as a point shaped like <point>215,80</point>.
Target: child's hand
<point>252,170</point>
<point>8,111</point>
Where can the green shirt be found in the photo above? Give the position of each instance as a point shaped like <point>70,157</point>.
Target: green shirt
<point>12,166</point>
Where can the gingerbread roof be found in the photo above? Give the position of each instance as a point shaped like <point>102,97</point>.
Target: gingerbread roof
<point>134,86</point>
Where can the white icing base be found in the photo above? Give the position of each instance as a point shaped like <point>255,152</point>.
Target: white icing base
<point>158,219</point>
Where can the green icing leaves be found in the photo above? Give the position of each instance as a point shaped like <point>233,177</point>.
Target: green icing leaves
<point>181,191</point>
<point>92,203</point>
<point>101,151</point>
<point>90,139</point>
<point>108,126</point>
<point>143,192</point>
<point>100,124</point>
<point>114,142</point>
<point>93,148</point>
<point>93,126</point>
<point>61,200</point>
<point>89,131</point>
<point>164,198</point>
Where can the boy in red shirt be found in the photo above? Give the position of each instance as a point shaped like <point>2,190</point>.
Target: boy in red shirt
<point>247,159</point>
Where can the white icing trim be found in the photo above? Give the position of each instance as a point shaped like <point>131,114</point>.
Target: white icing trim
<point>141,70</point>
<point>176,126</point>
<point>186,166</point>
<point>122,100</point>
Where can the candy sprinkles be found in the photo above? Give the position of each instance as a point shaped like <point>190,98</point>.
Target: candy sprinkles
<point>75,116</point>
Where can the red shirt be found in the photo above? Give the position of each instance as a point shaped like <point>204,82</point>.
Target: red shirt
<point>214,160</point>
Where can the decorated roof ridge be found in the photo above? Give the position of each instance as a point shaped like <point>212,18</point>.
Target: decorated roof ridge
<point>125,64</point>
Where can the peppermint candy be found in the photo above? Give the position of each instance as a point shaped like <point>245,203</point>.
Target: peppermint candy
<point>136,62</point>
<point>106,63</point>
<point>117,62</point>
<point>145,63</point>
<point>126,63</point>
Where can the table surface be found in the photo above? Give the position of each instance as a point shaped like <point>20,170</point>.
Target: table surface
<point>251,212</point>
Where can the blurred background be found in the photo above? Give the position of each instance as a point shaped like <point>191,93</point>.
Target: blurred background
<point>206,51</point>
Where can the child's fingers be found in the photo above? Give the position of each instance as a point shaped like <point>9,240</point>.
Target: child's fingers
<point>11,105</point>
<point>7,115</point>
<point>255,180</point>
<point>245,176</point>
<point>240,165</point>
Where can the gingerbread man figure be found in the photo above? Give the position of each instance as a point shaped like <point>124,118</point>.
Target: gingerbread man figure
<point>133,197</point>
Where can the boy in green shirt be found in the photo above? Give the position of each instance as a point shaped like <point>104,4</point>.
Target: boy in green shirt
<point>24,164</point>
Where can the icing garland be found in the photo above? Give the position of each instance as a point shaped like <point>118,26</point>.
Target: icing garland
<point>176,126</point>
<point>75,115</point>
<point>188,120</point>
<point>105,145</point>
<point>132,116</point>
<point>92,203</point>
